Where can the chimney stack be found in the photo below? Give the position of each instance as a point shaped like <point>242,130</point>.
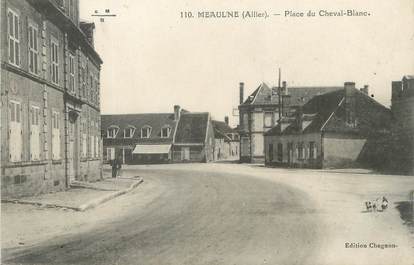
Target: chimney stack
<point>177,112</point>
<point>364,90</point>
<point>241,92</point>
<point>350,103</point>
<point>284,88</point>
<point>226,120</point>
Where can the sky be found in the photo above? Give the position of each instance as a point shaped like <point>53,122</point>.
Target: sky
<point>153,59</point>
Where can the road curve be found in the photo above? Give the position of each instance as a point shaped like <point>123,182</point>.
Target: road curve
<point>200,218</point>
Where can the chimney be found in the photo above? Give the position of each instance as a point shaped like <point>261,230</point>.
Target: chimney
<point>177,112</point>
<point>284,88</point>
<point>226,120</point>
<point>299,118</point>
<point>88,29</point>
<point>364,90</point>
<point>349,94</point>
<point>241,92</point>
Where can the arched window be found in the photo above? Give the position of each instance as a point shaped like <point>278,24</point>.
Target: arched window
<point>129,131</point>
<point>165,131</point>
<point>146,131</point>
<point>112,131</point>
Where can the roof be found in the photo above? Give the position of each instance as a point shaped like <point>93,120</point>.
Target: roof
<point>408,77</point>
<point>223,127</point>
<point>192,128</point>
<point>298,95</point>
<point>326,112</point>
<point>155,120</point>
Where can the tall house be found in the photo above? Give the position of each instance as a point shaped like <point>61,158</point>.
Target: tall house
<point>50,97</point>
<point>402,107</point>
<point>259,112</point>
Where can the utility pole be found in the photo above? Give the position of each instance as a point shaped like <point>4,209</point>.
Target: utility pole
<point>279,93</point>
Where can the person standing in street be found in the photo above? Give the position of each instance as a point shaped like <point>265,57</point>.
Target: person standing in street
<point>119,166</point>
<point>114,167</point>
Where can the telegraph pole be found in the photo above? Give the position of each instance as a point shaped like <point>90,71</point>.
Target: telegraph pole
<point>279,93</point>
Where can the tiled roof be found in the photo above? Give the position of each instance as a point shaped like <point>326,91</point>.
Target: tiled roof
<point>327,112</point>
<point>192,128</point>
<point>298,95</point>
<point>221,129</point>
<point>155,120</point>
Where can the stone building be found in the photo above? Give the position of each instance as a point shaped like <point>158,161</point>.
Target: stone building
<point>194,138</point>
<point>50,100</point>
<point>402,107</point>
<point>143,138</point>
<point>343,128</point>
<point>155,138</point>
<point>227,143</point>
<point>260,112</point>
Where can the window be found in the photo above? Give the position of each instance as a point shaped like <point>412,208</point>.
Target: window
<point>129,132</point>
<point>91,88</point>
<point>84,139</point>
<point>34,133</point>
<point>15,131</point>
<point>245,121</point>
<point>92,141</point>
<point>55,135</point>
<point>55,61</point>
<point>145,132</point>
<point>280,152</point>
<point>14,37</point>
<point>71,73</point>
<point>165,132</point>
<point>312,150</point>
<point>112,132</point>
<point>268,119</point>
<point>33,49</point>
<point>270,152</point>
<point>83,77</point>
<point>110,153</point>
<point>301,151</point>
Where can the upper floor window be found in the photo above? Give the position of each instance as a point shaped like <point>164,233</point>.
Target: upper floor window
<point>129,132</point>
<point>71,72</point>
<point>14,37</point>
<point>268,119</point>
<point>112,132</point>
<point>145,132</point>
<point>55,60</point>
<point>165,132</point>
<point>33,49</point>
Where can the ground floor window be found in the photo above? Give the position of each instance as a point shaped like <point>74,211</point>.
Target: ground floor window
<point>110,153</point>
<point>280,152</point>
<point>301,151</point>
<point>312,150</point>
<point>270,152</point>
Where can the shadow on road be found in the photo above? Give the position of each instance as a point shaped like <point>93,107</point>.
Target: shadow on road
<point>406,212</point>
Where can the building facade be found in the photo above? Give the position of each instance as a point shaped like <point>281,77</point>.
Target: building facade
<point>227,143</point>
<point>155,138</point>
<point>139,138</point>
<point>402,107</point>
<point>50,99</point>
<point>343,128</point>
<point>194,138</point>
<point>262,110</point>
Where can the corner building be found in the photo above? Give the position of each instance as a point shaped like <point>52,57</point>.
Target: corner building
<point>50,99</point>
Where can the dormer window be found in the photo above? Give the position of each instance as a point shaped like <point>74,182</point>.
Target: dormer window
<point>129,132</point>
<point>112,132</point>
<point>165,132</point>
<point>145,132</point>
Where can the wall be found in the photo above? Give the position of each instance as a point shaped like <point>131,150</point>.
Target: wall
<point>341,150</point>
<point>307,161</point>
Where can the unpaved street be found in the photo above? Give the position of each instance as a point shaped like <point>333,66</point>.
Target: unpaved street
<point>232,214</point>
